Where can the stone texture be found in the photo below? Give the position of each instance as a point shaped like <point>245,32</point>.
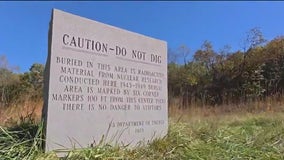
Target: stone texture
<point>103,82</point>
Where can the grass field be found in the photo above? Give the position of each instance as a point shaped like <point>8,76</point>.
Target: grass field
<point>192,135</point>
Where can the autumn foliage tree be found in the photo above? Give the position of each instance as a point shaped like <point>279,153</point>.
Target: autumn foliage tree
<point>253,73</point>
<point>18,87</point>
<point>210,77</point>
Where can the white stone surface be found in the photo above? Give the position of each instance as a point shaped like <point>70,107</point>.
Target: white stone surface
<point>103,82</point>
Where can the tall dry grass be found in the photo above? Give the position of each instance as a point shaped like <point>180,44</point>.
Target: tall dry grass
<point>196,112</point>
<point>18,113</point>
<point>254,131</point>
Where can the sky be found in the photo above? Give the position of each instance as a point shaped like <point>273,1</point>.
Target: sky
<point>24,25</point>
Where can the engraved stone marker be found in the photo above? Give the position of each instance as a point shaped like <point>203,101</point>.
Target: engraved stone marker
<point>103,83</point>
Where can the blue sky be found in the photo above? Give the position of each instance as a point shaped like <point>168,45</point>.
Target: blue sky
<point>24,25</point>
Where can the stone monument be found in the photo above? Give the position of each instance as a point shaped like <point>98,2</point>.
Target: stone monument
<point>102,83</point>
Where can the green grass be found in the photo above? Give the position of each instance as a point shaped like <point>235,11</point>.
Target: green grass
<point>223,137</point>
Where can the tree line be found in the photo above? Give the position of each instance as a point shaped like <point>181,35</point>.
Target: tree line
<point>16,88</point>
<point>253,73</point>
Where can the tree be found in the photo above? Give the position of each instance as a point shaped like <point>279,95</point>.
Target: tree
<point>184,51</point>
<point>172,57</point>
<point>32,81</point>
<point>273,67</point>
<point>254,38</point>
<point>205,55</point>
<point>8,82</point>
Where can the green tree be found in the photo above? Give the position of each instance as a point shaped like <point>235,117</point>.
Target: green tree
<point>32,81</point>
